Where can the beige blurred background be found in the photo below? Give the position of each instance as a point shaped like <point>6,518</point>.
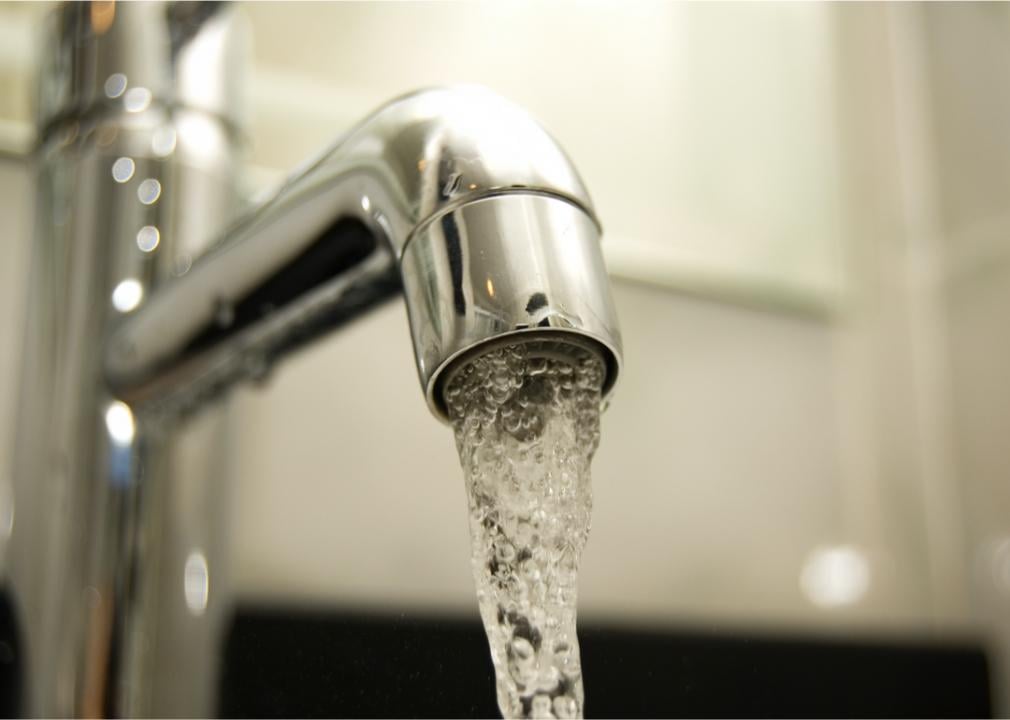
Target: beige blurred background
<point>807,216</point>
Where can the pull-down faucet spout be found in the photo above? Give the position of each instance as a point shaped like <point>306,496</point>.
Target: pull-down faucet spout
<point>118,561</point>
<point>456,193</point>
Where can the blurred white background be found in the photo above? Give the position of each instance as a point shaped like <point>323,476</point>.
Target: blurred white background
<point>807,219</point>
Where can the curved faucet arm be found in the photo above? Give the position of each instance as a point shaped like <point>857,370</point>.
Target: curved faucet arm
<point>324,247</point>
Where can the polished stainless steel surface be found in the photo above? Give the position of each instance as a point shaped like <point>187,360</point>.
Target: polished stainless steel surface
<point>135,176</point>
<point>507,265</point>
<point>458,187</point>
<point>113,58</point>
<point>140,317</point>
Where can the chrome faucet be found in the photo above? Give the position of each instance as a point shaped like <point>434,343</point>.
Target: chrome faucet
<point>147,307</point>
<point>454,192</point>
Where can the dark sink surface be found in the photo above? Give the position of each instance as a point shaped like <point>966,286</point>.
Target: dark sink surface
<point>11,658</point>
<point>304,664</point>
<point>289,663</point>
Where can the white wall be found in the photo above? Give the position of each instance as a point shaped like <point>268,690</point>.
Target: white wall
<point>706,504</point>
<point>705,133</point>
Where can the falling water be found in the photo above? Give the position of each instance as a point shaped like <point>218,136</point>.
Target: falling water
<point>527,418</point>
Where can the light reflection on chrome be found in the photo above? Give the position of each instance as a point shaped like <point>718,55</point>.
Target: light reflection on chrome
<point>999,564</point>
<point>835,576</point>
<point>127,295</point>
<point>115,85</point>
<point>103,14</point>
<point>149,191</point>
<point>137,99</point>
<point>120,423</point>
<point>148,238</point>
<point>182,265</point>
<point>122,169</point>
<point>196,582</point>
<point>163,141</point>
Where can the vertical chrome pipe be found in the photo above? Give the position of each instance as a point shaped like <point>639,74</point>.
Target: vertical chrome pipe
<point>139,136</point>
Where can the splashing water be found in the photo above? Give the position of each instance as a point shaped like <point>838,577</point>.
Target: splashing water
<point>527,419</point>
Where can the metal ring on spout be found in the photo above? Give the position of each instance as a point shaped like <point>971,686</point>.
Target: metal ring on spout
<point>558,345</point>
<point>502,267</point>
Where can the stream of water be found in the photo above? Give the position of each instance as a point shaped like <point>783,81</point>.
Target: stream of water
<point>527,422</point>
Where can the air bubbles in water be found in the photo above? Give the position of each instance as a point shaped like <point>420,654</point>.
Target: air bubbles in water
<point>526,418</point>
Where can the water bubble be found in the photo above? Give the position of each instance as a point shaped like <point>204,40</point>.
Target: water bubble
<point>541,707</point>
<point>567,659</point>
<point>525,442</point>
<point>522,662</point>
<point>548,678</point>
<point>530,571</point>
<point>512,423</point>
<point>505,553</point>
<point>521,648</point>
<point>565,707</point>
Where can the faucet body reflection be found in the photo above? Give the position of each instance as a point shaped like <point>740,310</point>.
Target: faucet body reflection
<point>147,306</point>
